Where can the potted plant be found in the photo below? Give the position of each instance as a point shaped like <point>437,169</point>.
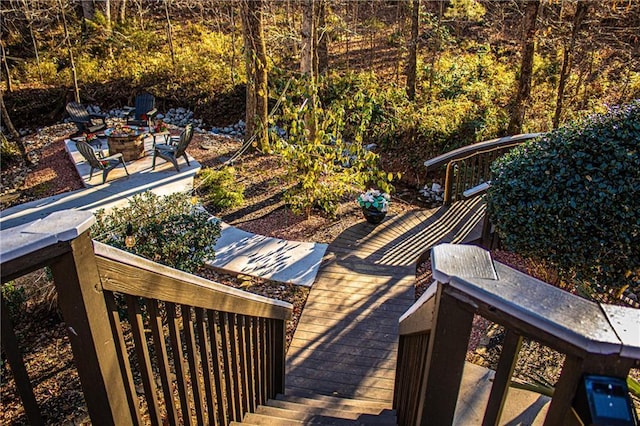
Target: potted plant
<point>375,205</point>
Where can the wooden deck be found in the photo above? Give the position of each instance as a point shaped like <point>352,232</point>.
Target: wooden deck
<point>346,342</point>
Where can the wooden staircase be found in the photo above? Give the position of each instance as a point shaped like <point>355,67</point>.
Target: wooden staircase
<point>320,410</point>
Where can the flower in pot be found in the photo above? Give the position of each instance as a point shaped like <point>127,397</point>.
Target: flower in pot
<point>374,205</point>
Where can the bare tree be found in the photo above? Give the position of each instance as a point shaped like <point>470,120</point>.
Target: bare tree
<point>122,11</point>
<point>67,40</point>
<point>307,36</point>
<point>5,67</point>
<point>13,133</point>
<point>322,52</point>
<point>526,66</point>
<point>27,16</point>
<point>256,66</point>
<point>170,34</point>
<point>88,10</point>
<point>413,50</point>
<point>582,8</point>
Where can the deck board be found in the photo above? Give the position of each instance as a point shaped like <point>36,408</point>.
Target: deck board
<point>346,341</point>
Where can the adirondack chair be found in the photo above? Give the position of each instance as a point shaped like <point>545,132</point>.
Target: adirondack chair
<point>105,164</point>
<point>173,152</point>
<point>84,120</point>
<point>144,111</point>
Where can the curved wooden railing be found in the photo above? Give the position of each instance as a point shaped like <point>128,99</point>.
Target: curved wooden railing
<point>172,347</point>
<point>434,333</point>
<point>466,167</point>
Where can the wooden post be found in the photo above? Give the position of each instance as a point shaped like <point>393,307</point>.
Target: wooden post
<point>84,310</point>
<point>20,376</point>
<point>500,387</point>
<point>445,360</point>
<point>279,344</point>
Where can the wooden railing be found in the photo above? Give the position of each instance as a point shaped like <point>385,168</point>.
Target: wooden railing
<point>187,351</point>
<point>466,167</point>
<point>434,334</point>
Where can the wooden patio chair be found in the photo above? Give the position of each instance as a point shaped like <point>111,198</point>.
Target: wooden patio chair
<point>105,164</point>
<point>84,120</point>
<point>144,111</point>
<point>173,152</point>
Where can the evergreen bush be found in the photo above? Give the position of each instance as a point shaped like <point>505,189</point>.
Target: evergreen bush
<point>170,230</point>
<point>572,196</point>
<point>219,188</point>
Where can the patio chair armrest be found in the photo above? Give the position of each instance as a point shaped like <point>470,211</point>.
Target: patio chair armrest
<point>112,157</point>
<point>100,116</point>
<point>152,113</point>
<point>128,111</point>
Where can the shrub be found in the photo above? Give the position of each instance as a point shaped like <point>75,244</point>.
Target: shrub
<point>8,152</point>
<point>220,189</point>
<point>572,195</point>
<point>14,297</point>
<point>323,166</point>
<point>170,230</point>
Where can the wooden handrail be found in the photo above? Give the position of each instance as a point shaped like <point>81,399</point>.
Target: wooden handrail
<point>221,349</point>
<point>597,338</point>
<point>468,150</point>
<point>124,272</point>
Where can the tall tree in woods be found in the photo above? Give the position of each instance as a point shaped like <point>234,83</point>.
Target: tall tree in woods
<point>413,50</point>
<point>256,66</point>
<point>307,35</point>
<point>170,34</point>
<point>322,52</point>
<point>72,63</point>
<point>88,11</point>
<point>13,133</point>
<point>526,66</point>
<point>582,7</point>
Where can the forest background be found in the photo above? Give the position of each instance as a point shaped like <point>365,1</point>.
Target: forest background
<point>417,77</point>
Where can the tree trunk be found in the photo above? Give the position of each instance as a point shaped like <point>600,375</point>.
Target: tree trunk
<point>526,67</point>
<point>107,15</point>
<point>323,52</point>
<point>27,17</point>
<point>567,59</point>
<point>306,49</point>
<point>170,35</point>
<point>67,39</point>
<point>122,13</point>
<point>5,68</point>
<point>256,66</point>
<point>88,11</point>
<point>233,45</point>
<point>413,51</point>
<point>13,133</point>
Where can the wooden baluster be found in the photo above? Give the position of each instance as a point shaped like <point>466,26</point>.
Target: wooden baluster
<point>20,376</point>
<point>500,387</point>
<point>134,313</point>
<point>250,350</point>
<point>217,369</point>
<point>244,372</point>
<point>178,362</point>
<point>162,360</point>
<point>229,370</point>
<point>192,358</point>
<point>206,362</point>
<point>123,358</point>
<point>445,360</point>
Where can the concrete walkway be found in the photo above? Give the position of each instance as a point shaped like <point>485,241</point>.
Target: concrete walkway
<point>237,251</point>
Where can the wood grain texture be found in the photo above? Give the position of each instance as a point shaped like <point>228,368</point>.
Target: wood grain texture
<point>346,341</point>
<point>126,273</point>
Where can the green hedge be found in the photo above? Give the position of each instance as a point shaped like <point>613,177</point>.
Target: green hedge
<point>573,197</point>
